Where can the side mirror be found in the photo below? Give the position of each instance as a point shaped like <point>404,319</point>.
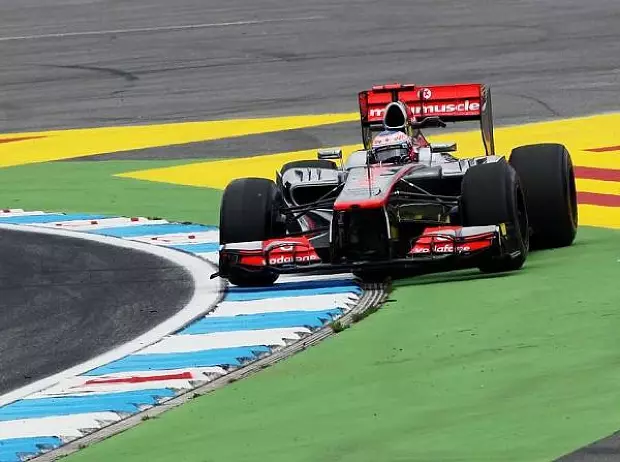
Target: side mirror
<point>330,153</point>
<point>443,147</point>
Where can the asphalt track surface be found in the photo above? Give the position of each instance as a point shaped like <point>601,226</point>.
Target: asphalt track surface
<point>68,63</point>
<point>83,63</point>
<point>66,300</point>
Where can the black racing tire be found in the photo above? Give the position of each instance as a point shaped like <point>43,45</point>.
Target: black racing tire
<point>491,194</point>
<point>548,179</point>
<point>249,212</point>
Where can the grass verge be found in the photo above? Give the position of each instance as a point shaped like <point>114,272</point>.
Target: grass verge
<point>88,186</point>
<point>518,367</point>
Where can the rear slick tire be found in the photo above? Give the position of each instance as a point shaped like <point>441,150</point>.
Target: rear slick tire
<point>548,178</point>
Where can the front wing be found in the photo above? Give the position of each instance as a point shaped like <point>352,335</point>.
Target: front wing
<point>437,249</point>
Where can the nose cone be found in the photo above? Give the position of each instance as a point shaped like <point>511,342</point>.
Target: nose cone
<point>395,117</point>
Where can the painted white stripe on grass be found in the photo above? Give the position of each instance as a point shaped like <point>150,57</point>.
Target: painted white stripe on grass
<point>201,342</point>
<point>306,303</point>
<point>65,427</point>
<point>206,294</point>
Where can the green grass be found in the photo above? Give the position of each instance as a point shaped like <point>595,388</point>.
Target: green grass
<point>521,367</point>
<point>89,186</point>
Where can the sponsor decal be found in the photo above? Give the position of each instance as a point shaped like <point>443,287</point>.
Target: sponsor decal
<point>287,251</point>
<point>285,259</point>
<point>276,252</point>
<point>427,93</point>
<point>441,240</point>
<point>442,248</point>
<point>435,109</point>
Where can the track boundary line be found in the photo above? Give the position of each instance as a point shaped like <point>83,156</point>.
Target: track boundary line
<point>207,294</point>
<point>373,296</point>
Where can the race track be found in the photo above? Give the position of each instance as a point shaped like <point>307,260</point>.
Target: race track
<point>65,300</point>
<point>93,63</point>
<point>70,63</point>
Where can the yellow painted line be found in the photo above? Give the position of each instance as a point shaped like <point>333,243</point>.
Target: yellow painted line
<point>217,174</point>
<point>577,134</point>
<point>597,186</point>
<point>68,144</point>
<point>596,215</point>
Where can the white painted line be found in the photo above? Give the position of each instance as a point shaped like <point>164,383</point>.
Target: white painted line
<point>201,342</point>
<point>179,384</point>
<point>275,305</point>
<point>195,371</point>
<point>206,294</point>
<point>21,213</point>
<point>313,277</point>
<point>213,257</point>
<point>157,29</point>
<point>87,225</point>
<point>2,211</point>
<point>202,237</point>
<point>65,427</point>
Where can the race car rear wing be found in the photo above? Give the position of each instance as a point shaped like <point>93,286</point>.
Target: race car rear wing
<point>447,103</point>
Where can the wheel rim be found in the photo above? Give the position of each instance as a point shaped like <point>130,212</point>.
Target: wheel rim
<point>522,219</point>
<point>572,195</point>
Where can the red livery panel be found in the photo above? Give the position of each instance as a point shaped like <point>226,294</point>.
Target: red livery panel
<point>449,102</point>
<point>451,239</point>
<point>276,252</point>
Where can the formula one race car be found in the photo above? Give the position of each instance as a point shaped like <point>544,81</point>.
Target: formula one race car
<point>401,203</point>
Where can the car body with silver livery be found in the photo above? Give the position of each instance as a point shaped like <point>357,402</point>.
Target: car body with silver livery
<point>447,210</point>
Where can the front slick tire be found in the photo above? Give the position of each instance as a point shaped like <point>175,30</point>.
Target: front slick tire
<point>249,212</point>
<point>492,194</point>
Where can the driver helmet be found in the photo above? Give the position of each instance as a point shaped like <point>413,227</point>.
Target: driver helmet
<point>392,147</point>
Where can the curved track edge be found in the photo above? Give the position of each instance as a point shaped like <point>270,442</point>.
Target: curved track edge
<point>373,296</point>
<point>204,296</point>
<point>237,333</point>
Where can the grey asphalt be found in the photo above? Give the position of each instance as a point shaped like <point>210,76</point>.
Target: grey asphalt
<point>84,63</point>
<point>268,143</point>
<point>66,300</point>
<point>604,450</point>
<point>543,58</point>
